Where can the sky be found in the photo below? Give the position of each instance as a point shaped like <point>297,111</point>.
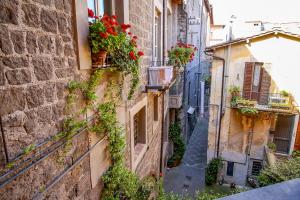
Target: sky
<point>265,10</point>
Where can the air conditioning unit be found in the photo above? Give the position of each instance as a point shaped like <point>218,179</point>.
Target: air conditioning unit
<point>160,76</point>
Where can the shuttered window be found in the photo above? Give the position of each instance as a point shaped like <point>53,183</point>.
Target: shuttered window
<point>257,82</point>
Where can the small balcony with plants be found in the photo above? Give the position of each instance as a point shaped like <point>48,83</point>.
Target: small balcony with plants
<point>250,102</point>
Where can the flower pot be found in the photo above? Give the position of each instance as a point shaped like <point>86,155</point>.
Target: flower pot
<point>99,58</point>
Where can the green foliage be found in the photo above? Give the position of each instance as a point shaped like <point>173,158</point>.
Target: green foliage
<point>280,105</point>
<point>10,165</point>
<point>245,102</point>
<point>249,111</point>
<point>181,54</point>
<point>234,90</point>
<point>121,60</point>
<point>284,93</point>
<point>179,146</point>
<point>272,146</point>
<point>211,195</point>
<point>296,153</point>
<point>98,42</point>
<point>212,169</point>
<point>282,171</point>
<point>28,149</point>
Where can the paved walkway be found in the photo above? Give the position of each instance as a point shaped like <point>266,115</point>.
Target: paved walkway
<point>189,176</point>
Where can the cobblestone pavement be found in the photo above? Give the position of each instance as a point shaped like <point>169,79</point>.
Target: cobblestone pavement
<point>189,176</point>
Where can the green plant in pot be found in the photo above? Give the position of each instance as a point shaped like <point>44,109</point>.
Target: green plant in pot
<point>102,36</point>
<point>180,55</point>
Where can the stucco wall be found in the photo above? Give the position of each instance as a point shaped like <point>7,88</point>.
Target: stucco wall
<point>281,53</point>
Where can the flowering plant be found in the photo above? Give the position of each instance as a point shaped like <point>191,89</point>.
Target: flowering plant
<point>107,34</point>
<point>181,54</point>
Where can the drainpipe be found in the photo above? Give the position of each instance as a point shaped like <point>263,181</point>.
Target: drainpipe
<point>221,103</point>
<point>163,93</point>
<point>162,133</point>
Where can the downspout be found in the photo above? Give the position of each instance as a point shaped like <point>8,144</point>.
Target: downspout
<point>221,103</point>
<point>163,93</point>
<point>162,132</point>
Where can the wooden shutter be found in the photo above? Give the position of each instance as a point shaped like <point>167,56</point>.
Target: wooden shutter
<point>248,78</point>
<point>265,84</point>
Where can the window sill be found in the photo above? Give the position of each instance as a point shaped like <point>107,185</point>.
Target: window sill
<point>139,152</point>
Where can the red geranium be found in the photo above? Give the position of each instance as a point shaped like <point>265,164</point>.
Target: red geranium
<point>129,33</point>
<point>114,16</point>
<point>103,35</point>
<point>96,17</point>
<point>140,53</point>
<point>135,37</point>
<point>90,13</point>
<point>132,56</point>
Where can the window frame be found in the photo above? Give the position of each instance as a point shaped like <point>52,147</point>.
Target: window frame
<point>132,113</point>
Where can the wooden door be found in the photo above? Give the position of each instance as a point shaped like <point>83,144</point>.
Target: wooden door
<point>297,141</point>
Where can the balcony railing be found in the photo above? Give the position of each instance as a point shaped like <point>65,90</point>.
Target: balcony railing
<point>275,102</point>
<point>175,94</point>
<point>160,78</point>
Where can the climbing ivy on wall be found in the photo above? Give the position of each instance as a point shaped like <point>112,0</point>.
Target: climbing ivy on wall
<point>179,146</point>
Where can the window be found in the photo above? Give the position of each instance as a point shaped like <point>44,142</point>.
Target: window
<point>230,167</point>
<point>256,167</point>
<point>139,127</point>
<point>155,108</point>
<point>257,82</point>
<point>157,38</point>
<point>138,131</point>
<point>110,7</point>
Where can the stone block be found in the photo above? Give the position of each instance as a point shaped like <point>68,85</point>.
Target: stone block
<point>49,90</point>
<point>17,38</point>
<point>68,50</point>
<point>44,114</point>
<point>59,46</point>
<point>35,96</point>
<point>60,90</point>
<point>63,73</point>
<point>14,120</point>
<point>57,111</point>
<point>12,99</point>
<point>9,11</point>
<point>18,76</point>
<point>30,121</point>
<point>31,15</point>
<point>2,78</point>
<point>72,63</point>
<point>46,44</point>
<point>31,42</point>
<point>43,68</point>
<point>49,21</point>
<point>62,23</point>
<point>15,62</point>
<point>59,62</point>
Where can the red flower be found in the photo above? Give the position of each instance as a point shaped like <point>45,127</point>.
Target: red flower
<point>96,17</point>
<point>134,37</point>
<point>114,16</point>
<point>132,56</point>
<point>160,174</point>
<point>90,13</point>
<point>103,35</point>
<point>125,26</point>
<point>140,53</point>
<point>110,31</point>
<point>129,33</point>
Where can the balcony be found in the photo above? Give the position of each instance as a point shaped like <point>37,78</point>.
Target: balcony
<point>175,94</point>
<point>266,102</point>
<point>160,78</point>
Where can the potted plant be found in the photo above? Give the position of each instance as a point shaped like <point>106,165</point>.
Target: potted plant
<point>102,36</point>
<point>180,55</point>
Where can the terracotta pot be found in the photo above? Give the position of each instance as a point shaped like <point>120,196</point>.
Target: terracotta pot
<point>99,58</point>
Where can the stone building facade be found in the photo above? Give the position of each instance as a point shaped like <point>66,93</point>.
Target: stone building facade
<point>43,48</point>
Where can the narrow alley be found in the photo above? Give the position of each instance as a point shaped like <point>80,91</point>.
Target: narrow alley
<point>189,176</point>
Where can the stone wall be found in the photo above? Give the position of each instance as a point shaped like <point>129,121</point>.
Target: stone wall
<point>37,60</point>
